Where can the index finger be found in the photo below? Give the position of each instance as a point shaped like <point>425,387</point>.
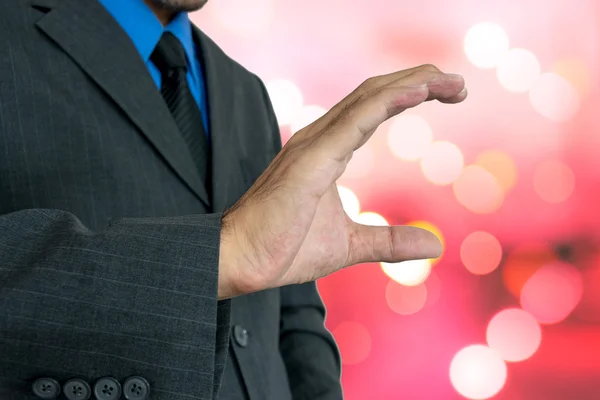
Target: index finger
<point>355,123</point>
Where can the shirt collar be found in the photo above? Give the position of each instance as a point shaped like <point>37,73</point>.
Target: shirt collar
<point>145,30</point>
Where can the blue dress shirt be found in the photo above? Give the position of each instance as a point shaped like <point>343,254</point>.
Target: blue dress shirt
<point>145,30</point>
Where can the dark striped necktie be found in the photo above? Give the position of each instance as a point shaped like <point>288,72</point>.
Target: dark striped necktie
<point>169,58</point>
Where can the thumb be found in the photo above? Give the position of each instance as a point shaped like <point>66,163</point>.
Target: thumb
<point>391,244</point>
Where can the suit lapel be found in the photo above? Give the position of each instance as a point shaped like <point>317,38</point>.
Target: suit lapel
<point>221,92</point>
<point>95,41</point>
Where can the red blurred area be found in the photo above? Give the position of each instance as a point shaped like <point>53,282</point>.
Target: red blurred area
<point>522,262</point>
<point>527,140</point>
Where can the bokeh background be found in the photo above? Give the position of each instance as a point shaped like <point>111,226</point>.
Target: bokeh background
<point>509,180</point>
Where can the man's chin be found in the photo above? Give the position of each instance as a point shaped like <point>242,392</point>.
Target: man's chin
<point>180,5</point>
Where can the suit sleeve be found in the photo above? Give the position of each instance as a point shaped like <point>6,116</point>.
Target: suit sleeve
<point>136,298</point>
<point>308,349</point>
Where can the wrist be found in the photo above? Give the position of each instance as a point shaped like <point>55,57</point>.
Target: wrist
<point>239,272</point>
<point>227,262</point>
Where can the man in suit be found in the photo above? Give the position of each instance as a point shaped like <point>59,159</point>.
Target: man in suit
<point>154,240</point>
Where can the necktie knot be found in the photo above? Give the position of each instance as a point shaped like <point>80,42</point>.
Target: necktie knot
<point>169,54</point>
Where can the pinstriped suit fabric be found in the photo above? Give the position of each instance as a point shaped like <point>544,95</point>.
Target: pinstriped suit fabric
<point>108,262</point>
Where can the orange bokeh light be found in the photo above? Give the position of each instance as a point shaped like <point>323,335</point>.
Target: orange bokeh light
<point>522,262</point>
<point>576,72</point>
<point>501,166</point>
<point>478,190</point>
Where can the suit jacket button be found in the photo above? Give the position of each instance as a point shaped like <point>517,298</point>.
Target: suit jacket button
<point>107,388</point>
<point>136,388</point>
<point>46,388</point>
<point>77,389</point>
<point>240,335</point>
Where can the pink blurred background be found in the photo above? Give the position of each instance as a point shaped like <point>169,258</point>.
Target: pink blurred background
<point>509,180</point>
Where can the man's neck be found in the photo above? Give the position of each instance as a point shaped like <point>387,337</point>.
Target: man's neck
<point>163,15</point>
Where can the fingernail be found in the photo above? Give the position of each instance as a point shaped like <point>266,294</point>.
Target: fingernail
<point>464,91</point>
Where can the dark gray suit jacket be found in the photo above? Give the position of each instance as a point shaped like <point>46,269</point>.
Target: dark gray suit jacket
<point>108,260</point>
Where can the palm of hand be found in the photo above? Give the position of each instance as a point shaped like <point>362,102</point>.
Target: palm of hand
<point>327,245</point>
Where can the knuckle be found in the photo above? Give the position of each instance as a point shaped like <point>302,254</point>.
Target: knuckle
<point>423,75</point>
<point>349,110</point>
<point>369,82</point>
<point>295,148</point>
<point>367,86</point>
<point>429,68</point>
<point>391,249</point>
